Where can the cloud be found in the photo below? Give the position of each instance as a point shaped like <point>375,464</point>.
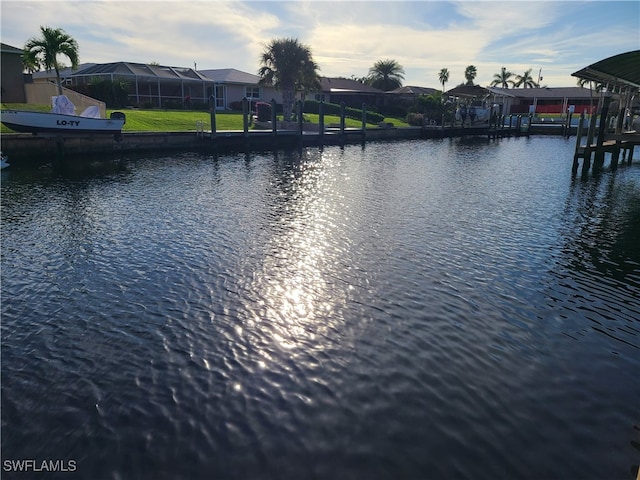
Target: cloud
<point>346,38</point>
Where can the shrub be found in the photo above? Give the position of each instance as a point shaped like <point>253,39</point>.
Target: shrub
<point>415,119</point>
<point>114,93</point>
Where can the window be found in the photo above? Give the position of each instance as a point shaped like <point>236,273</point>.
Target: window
<point>221,96</point>
<point>252,93</point>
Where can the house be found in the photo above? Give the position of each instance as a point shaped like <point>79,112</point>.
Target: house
<point>468,94</point>
<point>351,92</point>
<point>402,98</point>
<point>515,101</point>
<point>148,85</point>
<point>161,86</point>
<point>409,93</point>
<point>545,100</point>
<point>233,85</point>
<point>12,79</point>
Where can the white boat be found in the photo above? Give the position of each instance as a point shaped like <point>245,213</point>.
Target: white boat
<point>62,120</point>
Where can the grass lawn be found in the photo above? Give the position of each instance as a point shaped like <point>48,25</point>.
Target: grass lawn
<point>185,120</point>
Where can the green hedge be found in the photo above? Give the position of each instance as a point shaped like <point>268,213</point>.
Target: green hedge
<point>311,106</point>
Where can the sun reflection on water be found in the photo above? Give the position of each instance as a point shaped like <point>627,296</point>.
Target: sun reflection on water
<point>298,307</point>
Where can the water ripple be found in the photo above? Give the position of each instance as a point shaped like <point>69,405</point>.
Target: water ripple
<point>414,309</point>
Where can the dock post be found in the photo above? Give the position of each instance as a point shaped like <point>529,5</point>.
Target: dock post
<point>590,134</point>
<point>342,113</point>
<point>364,121</point>
<point>245,116</point>
<point>518,125</point>
<point>602,129</point>
<point>321,121</point>
<point>300,118</point>
<point>568,128</point>
<point>578,141</point>
<point>212,116</point>
<point>615,154</point>
<point>274,119</point>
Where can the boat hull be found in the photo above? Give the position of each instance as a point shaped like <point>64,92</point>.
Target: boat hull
<point>41,122</point>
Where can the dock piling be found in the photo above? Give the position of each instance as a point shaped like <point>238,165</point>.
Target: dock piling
<point>576,155</point>
<point>212,116</point>
<point>245,116</point>
<point>602,128</point>
<point>274,120</point>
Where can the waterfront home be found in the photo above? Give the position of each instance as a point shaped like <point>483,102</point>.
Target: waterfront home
<point>159,86</point>
<point>404,97</point>
<point>12,79</point>
<point>149,85</point>
<point>232,85</point>
<point>514,101</point>
<point>351,92</point>
<point>545,100</point>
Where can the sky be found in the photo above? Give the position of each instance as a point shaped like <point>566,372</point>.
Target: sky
<point>346,38</point>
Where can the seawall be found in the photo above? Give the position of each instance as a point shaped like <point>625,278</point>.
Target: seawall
<point>26,145</point>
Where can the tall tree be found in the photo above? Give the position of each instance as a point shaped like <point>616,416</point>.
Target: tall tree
<point>502,79</point>
<point>288,65</point>
<point>525,80</point>
<point>470,74</point>
<point>583,83</point>
<point>386,75</point>
<point>44,51</point>
<point>443,76</point>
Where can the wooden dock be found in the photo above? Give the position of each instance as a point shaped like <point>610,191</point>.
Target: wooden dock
<point>505,126</point>
<point>600,142</point>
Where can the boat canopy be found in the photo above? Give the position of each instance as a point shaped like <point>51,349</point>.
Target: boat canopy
<point>62,104</point>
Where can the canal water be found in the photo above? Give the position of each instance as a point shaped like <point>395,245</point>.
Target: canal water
<point>419,310</point>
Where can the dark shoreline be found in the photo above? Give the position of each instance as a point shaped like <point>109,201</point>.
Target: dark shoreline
<point>24,145</point>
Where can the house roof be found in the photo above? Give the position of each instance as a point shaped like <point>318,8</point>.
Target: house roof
<point>545,92</point>
<point>346,85</point>
<point>467,91</point>
<point>64,73</point>
<point>4,48</point>
<point>409,90</point>
<point>129,69</point>
<point>230,75</point>
<point>621,70</point>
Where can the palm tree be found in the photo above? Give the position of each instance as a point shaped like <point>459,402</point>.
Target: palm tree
<point>583,83</point>
<point>443,76</point>
<point>386,75</point>
<point>44,51</point>
<point>470,74</point>
<point>525,80</point>
<point>30,64</point>
<point>288,65</point>
<point>502,79</point>
<point>363,80</point>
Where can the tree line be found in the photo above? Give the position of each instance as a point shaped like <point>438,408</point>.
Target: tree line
<point>285,64</point>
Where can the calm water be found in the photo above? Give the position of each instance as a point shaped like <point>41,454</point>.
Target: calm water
<point>412,310</point>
